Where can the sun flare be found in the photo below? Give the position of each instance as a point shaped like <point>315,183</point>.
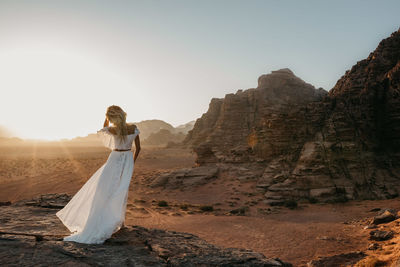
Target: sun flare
<point>49,86</point>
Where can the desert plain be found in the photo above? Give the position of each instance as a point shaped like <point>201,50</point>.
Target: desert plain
<point>226,211</point>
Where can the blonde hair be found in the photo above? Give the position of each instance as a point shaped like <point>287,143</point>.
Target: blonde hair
<point>117,116</point>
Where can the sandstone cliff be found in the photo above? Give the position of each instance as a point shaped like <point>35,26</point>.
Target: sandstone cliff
<point>310,144</point>
<point>255,123</point>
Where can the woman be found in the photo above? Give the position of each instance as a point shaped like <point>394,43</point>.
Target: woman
<point>98,209</point>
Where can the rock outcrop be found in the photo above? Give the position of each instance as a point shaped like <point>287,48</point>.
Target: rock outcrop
<point>257,123</point>
<point>330,147</point>
<point>163,137</point>
<point>31,235</point>
<point>186,178</point>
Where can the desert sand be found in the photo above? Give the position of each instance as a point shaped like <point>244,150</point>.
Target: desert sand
<point>296,235</point>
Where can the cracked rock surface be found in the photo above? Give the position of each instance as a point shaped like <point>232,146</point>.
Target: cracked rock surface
<point>31,235</point>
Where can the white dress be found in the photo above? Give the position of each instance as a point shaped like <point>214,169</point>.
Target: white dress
<point>98,209</point>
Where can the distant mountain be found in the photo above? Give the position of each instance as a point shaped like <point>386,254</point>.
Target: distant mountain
<point>163,137</point>
<point>160,133</point>
<point>89,140</point>
<point>11,141</point>
<point>185,128</point>
<point>152,132</point>
<point>148,127</point>
<point>6,137</point>
<point>4,132</point>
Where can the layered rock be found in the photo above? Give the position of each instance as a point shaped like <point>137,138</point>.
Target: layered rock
<point>256,123</point>
<point>332,147</point>
<point>356,152</point>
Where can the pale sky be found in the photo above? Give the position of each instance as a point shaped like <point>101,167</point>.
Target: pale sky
<point>63,62</point>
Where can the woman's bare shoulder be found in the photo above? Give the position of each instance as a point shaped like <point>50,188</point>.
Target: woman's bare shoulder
<point>131,128</point>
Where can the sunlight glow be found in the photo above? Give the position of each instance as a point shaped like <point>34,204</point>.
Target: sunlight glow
<point>49,88</point>
<point>78,166</point>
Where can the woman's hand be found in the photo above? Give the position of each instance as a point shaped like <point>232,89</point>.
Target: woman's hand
<point>106,123</point>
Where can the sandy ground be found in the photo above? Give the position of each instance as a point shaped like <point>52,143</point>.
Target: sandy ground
<point>296,236</point>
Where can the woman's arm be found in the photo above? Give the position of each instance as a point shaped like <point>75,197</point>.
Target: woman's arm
<point>106,123</point>
<point>137,149</point>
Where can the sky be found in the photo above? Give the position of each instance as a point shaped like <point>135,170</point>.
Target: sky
<point>63,62</point>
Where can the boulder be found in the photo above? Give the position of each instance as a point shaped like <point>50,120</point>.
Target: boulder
<point>379,235</point>
<point>385,217</point>
<point>186,178</point>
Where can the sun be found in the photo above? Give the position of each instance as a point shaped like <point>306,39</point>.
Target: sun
<point>53,92</point>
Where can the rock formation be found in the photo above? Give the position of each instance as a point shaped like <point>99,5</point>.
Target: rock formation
<point>331,147</point>
<point>185,128</point>
<point>31,235</point>
<point>163,137</point>
<point>148,127</point>
<point>256,123</point>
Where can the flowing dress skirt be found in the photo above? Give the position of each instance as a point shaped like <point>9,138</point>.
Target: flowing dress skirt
<point>98,209</point>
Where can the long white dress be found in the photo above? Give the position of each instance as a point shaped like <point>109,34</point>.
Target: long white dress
<point>98,209</point>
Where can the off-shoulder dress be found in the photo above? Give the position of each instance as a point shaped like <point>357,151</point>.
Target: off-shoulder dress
<point>97,210</point>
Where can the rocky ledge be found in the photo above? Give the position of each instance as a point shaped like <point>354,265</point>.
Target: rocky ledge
<point>31,235</point>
